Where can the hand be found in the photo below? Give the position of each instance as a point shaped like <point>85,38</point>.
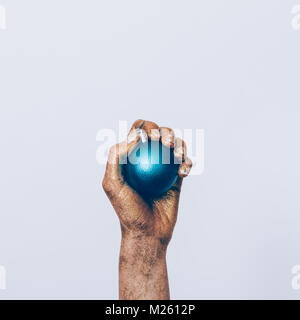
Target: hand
<point>146,226</point>
<point>138,216</point>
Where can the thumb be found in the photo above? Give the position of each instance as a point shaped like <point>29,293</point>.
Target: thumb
<point>127,203</point>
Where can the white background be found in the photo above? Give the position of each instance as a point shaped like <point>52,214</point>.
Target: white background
<point>69,68</point>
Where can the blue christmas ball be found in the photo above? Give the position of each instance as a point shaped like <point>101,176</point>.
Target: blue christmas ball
<point>151,168</point>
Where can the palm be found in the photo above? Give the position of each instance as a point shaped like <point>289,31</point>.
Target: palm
<point>157,216</point>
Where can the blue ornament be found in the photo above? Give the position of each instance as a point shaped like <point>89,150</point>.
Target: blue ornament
<point>151,168</point>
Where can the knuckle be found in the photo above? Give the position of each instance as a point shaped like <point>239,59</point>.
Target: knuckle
<point>167,130</point>
<point>184,170</point>
<point>154,134</point>
<point>179,143</point>
<point>189,162</point>
<point>167,133</point>
<point>105,183</point>
<point>107,187</point>
<point>150,125</point>
<point>137,123</point>
<point>167,137</point>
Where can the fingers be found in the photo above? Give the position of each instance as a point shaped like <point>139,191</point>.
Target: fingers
<point>180,149</point>
<point>167,137</point>
<point>113,180</point>
<point>152,130</point>
<point>129,206</point>
<point>135,134</point>
<point>141,129</point>
<point>137,124</point>
<point>113,161</point>
<point>185,168</point>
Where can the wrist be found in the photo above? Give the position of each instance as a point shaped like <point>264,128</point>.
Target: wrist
<point>143,247</point>
<point>142,268</point>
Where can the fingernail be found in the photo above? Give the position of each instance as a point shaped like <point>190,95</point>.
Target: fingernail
<point>179,152</point>
<point>143,135</point>
<point>137,134</point>
<point>155,134</point>
<point>169,140</point>
<point>184,170</point>
<point>132,136</point>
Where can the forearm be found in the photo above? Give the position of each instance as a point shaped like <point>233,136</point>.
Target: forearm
<point>143,269</point>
